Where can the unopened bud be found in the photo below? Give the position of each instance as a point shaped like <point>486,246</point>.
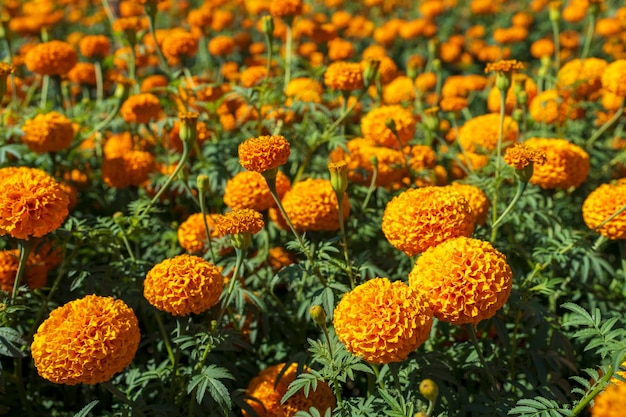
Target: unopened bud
<point>188,126</point>
<point>203,184</point>
<point>267,24</point>
<point>339,176</point>
<point>429,389</point>
<point>5,71</point>
<point>318,315</point>
<point>555,11</point>
<point>123,88</point>
<point>503,81</point>
<point>241,240</point>
<point>370,72</point>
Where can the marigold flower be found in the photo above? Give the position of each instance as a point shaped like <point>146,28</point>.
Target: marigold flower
<point>36,274</point>
<point>614,78</point>
<point>603,202</point>
<point>268,390</point>
<point>180,45</point>
<point>465,280</point>
<point>278,258</point>
<point>381,321</point>
<point>345,76</point>
<point>239,221</point>
<point>221,45</point>
<point>566,165</point>
<point>340,49</point>
<point>86,341</point>
<point>312,206</point>
<point>476,198</point>
<point>132,168</point>
<point>252,76</point>
<point>453,104</point>
<point>480,134</point>
<point>419,218</point>
<point>582,77</point>
<point>32,203</point>
<point>141,108</point>
<point>192,235</point>
<point>264,153</point>
<point>552,107</point>
<point>250,190</point>
<point>49,132</point>
<point>520,155</point>
<point>611,401</point>
<point>183,285</point>
<point>51,58</point>
<point>83,73</point>
<point>399,90</point>
<point>542,48</point>
<point>374,126</point>
<point>94,46</point>
<point>504,65</point>
<point>285,8</point>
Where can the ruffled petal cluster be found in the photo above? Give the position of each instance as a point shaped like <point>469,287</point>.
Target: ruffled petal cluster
<point>465,280</point>
<point>183,285</point>
<point>49,132</point>
<point>285,8</point>
<point>566,165</point>
<point>239,221</point>
<point>192,234</point>
<point>520,155</point>
<point>264,153</point>
<point>476,198</point>
<point>86,341</point>
<point>382,321</point>
<point>249,190</point>
<point>267,390</point>
<point>132,168</point>
<point>614,78</point>
<point>419,218</point>
<point>582,77</point>
<point>32,203</point>
<point>51,58</point>
<point>141,108</point>
<point>480,134</point>
<point>36,274</point>
<point>602,203</point>
<point>374,126</point>
<point>344,76</point>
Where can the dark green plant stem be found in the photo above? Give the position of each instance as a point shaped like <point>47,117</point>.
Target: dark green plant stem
<point>99,84</point>
<point>344,240</point>
<point>203,209</point>
<point>589,36</point>
<point>497,179</point>
<point>21,390</point>
<point>372,187</point>
<point>472,333</point>
<point>521,186</point>
<point>589,396</point>
<point>103,124</point>
<point>108,385</point>
<point>45,86</point>
<point>25,247</point>
<point>166,339</point>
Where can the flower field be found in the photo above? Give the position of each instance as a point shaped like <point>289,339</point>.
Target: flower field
<point>312,208</point>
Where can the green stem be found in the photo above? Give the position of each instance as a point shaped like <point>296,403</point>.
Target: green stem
<point>496,186</point>
<point>521,186</point>
<point>584,402</point>
<point>109,12</point>
<point>24,248</point>
<point>99,83</point>
<point>133,62</point>
<point>123,398</point>
<point>288,54</point>
<point>589,37</point>
<point>372,187</point>
<point>344,240</point>
<point>268,65</point>
<point>157,47</point>
<point>166,339</point>
<point>557,44</point>
<point>481,357</point>
<point>45,86</point>
<point>203,209</point>
<point>605,126</point>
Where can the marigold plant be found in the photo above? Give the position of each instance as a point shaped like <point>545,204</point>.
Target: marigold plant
<point>48,132</point>
<point>601,204</point>
<point>264,153</point>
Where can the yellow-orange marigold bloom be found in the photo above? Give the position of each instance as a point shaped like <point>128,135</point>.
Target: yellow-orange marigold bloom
<point>32,203</point>
<point>183,285</point>
<point>264,153</point>
<point>278,258</point>
<point>249,190</point>
<point>179,45</point>
<point>614,78</point>
<point>267,390</point>
<point>551,107</point>
<point>476,198</point>
<point>340,49</point>
<point>611,401</point>
<point>582,77</point>
<point>312,206</point>
<point>465,280</point>
<point>239,221</point>
<point>221,45</point>
<point>192,235</point>
<point>603,202</point>
<point>480,134</point>
<point>426,81</point>
<point>344,76</point>
<point>453,104</point>
<point>399,90</point>
<point>86,341</point>
<point>420,218</point>
<point>141,108</point>
<point>51,58</point>
<point>153,82</point>
<point>132,168</point>
<point>83,73</point>
<point>542,48</point>
<point>566,165</point>
<point>36,274</point>
<point>383,322</point>
<point>285,8</point>
<point>94,46</point>
<point>304,89</point>
<point>374,126</point>
<point>252,76</point>
<point>520,155</point>
<point>48,132</point>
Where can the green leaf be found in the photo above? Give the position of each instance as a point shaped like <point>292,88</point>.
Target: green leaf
<point>86,409</point>
<point>9,338</point>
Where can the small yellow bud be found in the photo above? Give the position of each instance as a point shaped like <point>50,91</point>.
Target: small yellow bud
<point>203,184</point>
<point>318,315</point>
<point>339,176</point>
<point>188,126</point>
<point>429,389</point>
<point>267,24</point>
<point>370,72</point>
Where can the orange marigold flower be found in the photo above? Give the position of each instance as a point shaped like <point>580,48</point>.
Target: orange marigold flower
<point>278,258</point>
<point>505,65</point>
<point>566,165</point>
<point>51,58</point>
<point>132,168</point>
<point>480,134</point>
<point>32,203</point>
<point>518,80</point>
<point>83,73</point>
<point>419,218</point>
<point>551,107</point>
<point>221,45</point>
<point>520,155</point>
<point>465,280</point>
<point>153,82</point>
<point>603,202</point>
<point>383,322</point>
<point>304,89</point>
<point>542,48</point>
<point>453,104</point>
<point>192,235</point>
<point>345,76</point>
<point>180,45</point>
<point>476,198</point>
<point>94,46</point>
<point>239,221</point>
<point>267,390</point>
<point>340,49</point>
<point>614,78</point>
<point>36,274</point>
<point>141,108</point>
<point>582,77</point>
<point>399,90</point>
<point>86,341</point>
<point>252,76</point>
<point>264,153</point>
<point>611,401</point>
<point>285,8</point>
<point>374,126</point>
<point>49,132</point>
<point>183,285</point>
<point>250,190</point>
<point>312,206</point>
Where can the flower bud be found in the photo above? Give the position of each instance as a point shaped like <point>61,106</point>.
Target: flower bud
<point>318,315</point>
<point>429,389</point>
<point>203,184</point>
<point>123,88</point>
<point>188,126</point>
<point>267,24</point>
<point>339,176</point>
<point>391,125</point>
<point>370,72</point>
<point>555,11</point>
<point>241,240</point>
<point>503,81</point>
<point>5,71</point>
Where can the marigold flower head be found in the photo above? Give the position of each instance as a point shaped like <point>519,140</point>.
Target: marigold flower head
<point>94,46</point>
<point>551,107</point>
<point>192,235</point>
<point>304,89</point>
<point>344,76</point>
<point>399,90</point>
<point>566,165</point>
<point>602,203</point>
<point>419,218</point>
<point>611,401</point>
<point>476,198</point>
<point>252,75</point>
<point>83,73</point>
<point>542,48</point>
<point>180,45</point>
<point>239,221</point>
<point>141,108</point>
<point>267,390</point>
<point>36,274</point>
<point>453,104</point>
<point>86,341</point>
<point>382,321</point>
<point>48,132</point>
<point>285,8</point>
<point>520,155</point>
<point>132,168</point>
<point>614,78</point>
<point>480,134</point>
<point>250,190</point>
<point>278,258</point>
<point>183,285</point>
<point>312,206</point>
<point>505,65</point>
<point>32,203</point>
<point>374,126</point>
<point>51,58</point>
<point>465,280</point>
<point>582,77</point>
<point>264,153</point>
<point>6,69</point>
<point>221,45</point>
